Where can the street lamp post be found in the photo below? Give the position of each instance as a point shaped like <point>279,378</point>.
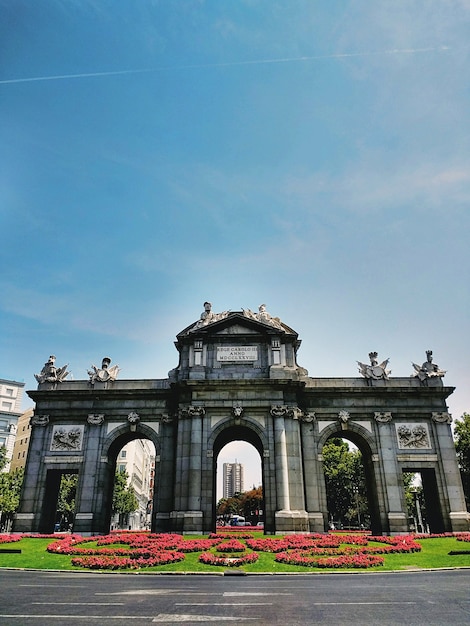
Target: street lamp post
<point>356,495</point>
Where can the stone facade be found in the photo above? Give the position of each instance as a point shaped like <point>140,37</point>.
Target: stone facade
<point>238,379</point>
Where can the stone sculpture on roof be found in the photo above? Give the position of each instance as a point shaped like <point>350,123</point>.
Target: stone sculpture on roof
<point>50,373</point>
<point>427,370</point>
<point>263,316</point>
<point>209,317</point>
<point>104,374</point>
<point>374,371</point>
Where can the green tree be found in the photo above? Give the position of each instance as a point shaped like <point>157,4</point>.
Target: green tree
<point>226,507</point>
<point>66,500</point>
<point>462,445</point>
<point>10,491</point>
<point>3,457</point>
<point>124,498</point>
<point>345,483</point>
<point>251,502</point>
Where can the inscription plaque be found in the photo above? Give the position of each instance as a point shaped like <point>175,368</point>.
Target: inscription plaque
<point>237,353</point>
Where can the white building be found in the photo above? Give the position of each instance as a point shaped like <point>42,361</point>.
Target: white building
<point>10,410</point>
<point>233,479</point>
<point>137,458</point>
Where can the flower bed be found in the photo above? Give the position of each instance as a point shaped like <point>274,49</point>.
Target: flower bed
<point>208,558</point>
<point>9,538</point>
<point>133,550</point>
<point>233,545</point>
<point>99,562</point>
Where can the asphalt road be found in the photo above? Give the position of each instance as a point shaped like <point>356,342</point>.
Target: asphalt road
<point>62,598</point>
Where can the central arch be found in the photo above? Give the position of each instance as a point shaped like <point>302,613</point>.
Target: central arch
<point>227,433</point>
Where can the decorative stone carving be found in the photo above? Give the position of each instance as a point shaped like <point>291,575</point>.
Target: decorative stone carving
<point>344,416</point>
<point>383,418</point>
<point>374,371</point>
<point>413,436</point>
<point>12,428</point>
<point>95,419</point>
<point>192,411</point>
<point>305,416</point>
<point>133,418</point>
<point>428,370</point>
<point>166,419</point>
<point>104,374</point>
<point>278,411</point>
<point>442,418</point>
<point>208,317</point>
<point>237,410</point>
<point>51,374</point>
<point>67,438</point>
<point>263,316</point>
<point>40,420</point>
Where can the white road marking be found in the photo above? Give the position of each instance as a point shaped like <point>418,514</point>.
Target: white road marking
<point>168,617</point>
<point>223,603</point>
<point>357,603</point>
<point>156,592</point>
<point>254,593</point>
<point>82,603</point>
<point>82,617</point>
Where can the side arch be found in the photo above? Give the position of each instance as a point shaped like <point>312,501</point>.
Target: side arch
<point>365,441</point>
<point>112,444</point>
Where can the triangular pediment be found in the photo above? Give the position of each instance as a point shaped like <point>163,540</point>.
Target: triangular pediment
<point>237,329</point>
<point>237,323</point>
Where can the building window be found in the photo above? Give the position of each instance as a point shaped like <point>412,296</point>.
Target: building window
<point>123,454</point>
<point>7,406</point>
<point>9,392</point>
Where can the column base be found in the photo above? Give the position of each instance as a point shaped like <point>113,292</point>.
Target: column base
<point>398,523</point>
<point>460,521</point>
<point>187,522</point>
<point>316,522</point>
<point>292,522</point>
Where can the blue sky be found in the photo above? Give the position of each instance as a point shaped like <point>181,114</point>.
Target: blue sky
<point>313,156</point>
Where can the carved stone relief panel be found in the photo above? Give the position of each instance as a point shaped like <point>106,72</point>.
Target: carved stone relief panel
<point>413,436</point>
<point>67,438</point>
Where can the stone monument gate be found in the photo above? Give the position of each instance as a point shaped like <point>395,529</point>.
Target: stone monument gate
<point>238,379</point>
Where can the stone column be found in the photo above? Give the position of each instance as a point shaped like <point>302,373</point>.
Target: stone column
<point>195,464</point>
<point>312,471</point>
<point>91,510</point>
<point>164,497</point>
<point>395,514</point>
<point>282,473</point>
<point>458,517</point>
<point>27,519</point>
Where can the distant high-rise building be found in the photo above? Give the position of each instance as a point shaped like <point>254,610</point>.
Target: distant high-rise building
<point>10,403</point>
<point>233,479</point>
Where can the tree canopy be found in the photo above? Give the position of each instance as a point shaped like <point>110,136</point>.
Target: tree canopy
<point>462,445</point>
<point>124,498</point>
<point>345,484</point>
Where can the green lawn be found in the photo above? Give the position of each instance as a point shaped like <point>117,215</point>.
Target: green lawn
<point>434,554</point>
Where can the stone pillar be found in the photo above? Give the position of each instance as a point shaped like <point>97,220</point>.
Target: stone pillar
<point>27,519</point>
<point>312,471</point>
<point>90,508</point>
<point>193,516</point>
<point>282,473</point>
<point>394,518</point>
<point>458,519</point>
<point>164,478</point>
